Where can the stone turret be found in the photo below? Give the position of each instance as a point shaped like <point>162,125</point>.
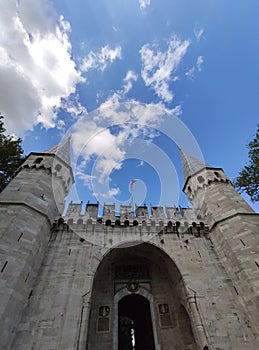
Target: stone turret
<point>28,206</point>
<point>233,228</point>
<point>210,191</point>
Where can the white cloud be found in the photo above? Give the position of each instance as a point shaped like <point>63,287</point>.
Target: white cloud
<point>190,73</point>
<point>114,99</point>
<point>83,176</point>
<point>144,3</point>
<point>73,106</point>
<point>198,32</point>
<point>101,143</point>
<point>130,77</point>
<point>158,67</point>
<point>36,67</point>
<point>117,96</point>
<point>99,60</point>
<point>61,124</point>
<point>114,191</point>
<point>141,163</point>
<point>93,138</point>
<point>197,67</point>
<point>199,62</point>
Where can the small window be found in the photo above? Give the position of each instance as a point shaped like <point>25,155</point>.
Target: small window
<point>135,223</point>
<point>103,319</point>
<point>200,179</point>
<point>108,223</point>
<point>38,160</point>
<point>58,167</point>
<point>216,173</point>
<point>117,222</point>
<point>126,223</point>
<point>164,315</point>
<point>189,189</point>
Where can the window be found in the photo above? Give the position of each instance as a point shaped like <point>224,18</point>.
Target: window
<point>103,319</point>
<point>58,167</point>
<point>164,315</point>
<point>200,179</point>
<point>38,160</point>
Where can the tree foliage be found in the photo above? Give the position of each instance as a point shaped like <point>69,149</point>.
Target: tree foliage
<point>11,155</point>
<point>248,178</point>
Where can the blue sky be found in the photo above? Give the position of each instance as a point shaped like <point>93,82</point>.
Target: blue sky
<point>130,79</point>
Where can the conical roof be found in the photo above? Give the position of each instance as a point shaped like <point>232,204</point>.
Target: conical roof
<point>191,165</point>
<point>62,150</point>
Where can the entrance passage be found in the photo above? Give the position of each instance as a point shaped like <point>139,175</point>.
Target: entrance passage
<point>135,324</point>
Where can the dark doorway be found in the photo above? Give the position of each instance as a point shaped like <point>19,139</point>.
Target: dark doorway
<point>135,324</point>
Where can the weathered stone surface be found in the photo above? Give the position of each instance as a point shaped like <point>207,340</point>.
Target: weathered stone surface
<point>62,284</point>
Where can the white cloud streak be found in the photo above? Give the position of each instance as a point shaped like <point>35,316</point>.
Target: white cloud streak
<point>100,60</point>
<point>197,67</point>
<point>130,77</point>
<point>117,96</point>
<point>199,63</point>
<point>144,3</point>
<point>198,32</point>
<point>158,67</point>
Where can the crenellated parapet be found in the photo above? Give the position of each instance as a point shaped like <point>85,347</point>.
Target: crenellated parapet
<point>168,219</point>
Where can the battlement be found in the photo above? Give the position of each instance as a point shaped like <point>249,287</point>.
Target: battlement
<point>171,217</point>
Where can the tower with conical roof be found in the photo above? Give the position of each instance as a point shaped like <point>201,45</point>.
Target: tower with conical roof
<point>234,228</point>
<point>28,206</point>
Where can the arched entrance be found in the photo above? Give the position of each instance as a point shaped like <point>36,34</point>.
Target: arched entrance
<point>135,330</point>
<point>137,294</point>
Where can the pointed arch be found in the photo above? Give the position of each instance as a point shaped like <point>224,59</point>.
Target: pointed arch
<point>155,272</point>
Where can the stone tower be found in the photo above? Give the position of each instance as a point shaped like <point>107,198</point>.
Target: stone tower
<point>156,278</point>
<point>234,229</point>
<point>28,207</point>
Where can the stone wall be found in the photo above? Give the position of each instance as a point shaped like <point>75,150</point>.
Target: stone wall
<point>77,277</point>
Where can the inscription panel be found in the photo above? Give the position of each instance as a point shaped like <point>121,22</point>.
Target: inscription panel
<point>131,272</point>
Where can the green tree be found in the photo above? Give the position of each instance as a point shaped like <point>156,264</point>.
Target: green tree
<point>11,155</point>
<point>248,178</point>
